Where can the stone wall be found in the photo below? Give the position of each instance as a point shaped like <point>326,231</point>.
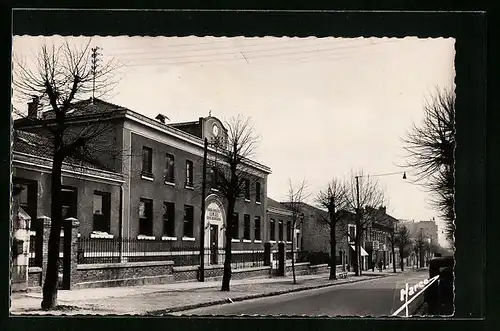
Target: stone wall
<point>301,268</point>
<point>123,274</point>
<point>34,277</point>
<point>190,273</point>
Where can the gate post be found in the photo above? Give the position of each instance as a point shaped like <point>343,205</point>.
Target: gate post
<point>70,249</point>
<point>45,228</point>
<point>267,254</point>
<point>281,259</point>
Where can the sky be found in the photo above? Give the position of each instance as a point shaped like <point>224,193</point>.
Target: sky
<point>322,107</point>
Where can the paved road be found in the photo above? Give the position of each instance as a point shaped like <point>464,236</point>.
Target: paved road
<point>378,297</point>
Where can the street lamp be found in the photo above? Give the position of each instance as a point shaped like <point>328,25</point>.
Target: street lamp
<point>358,213</point>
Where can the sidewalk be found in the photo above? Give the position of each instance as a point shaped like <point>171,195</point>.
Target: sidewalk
<point>165,298</point>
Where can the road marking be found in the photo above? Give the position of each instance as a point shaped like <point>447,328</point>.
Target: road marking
<point>422,290</point>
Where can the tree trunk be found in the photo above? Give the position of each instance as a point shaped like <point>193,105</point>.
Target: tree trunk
<point>226,277</point>
<point>402,262</point>
<point>333,245</point>
<point>52,273</point>
<point>293,255</point>
<point>393,258</point>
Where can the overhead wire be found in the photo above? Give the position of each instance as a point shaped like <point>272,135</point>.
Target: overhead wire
<point>239,57</point>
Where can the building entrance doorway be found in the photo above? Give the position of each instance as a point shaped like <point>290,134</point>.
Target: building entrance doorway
<point>214,243</point>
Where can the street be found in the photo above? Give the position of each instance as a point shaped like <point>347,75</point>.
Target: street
<point>376,297</point>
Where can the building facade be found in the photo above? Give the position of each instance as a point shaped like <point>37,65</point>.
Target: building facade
<point>375,243</point>
<point>151,190</point>
<point>280,225</point>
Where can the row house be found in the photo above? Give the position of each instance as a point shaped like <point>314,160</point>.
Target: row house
<point>375,243</point>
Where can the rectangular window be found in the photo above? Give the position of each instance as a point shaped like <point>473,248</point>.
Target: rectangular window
<point>234,227</point>
<point>289,231</point>
<point>169,169</point>
<point>147,161</point>
<point>280,230</point>
<point>272,228</point>
<point>257,228</point>
<point>246,226</point>
<point>189,173</point>
<point>213,178</point>
<point>351,232</point>
<point>69,202</point>
<point>101,206</point>
<point>247,189</point>
<point>257,192</point>
<point>23,197</point>
<point>146,217</point>
<point>188,221</point>
<point>169,219</point>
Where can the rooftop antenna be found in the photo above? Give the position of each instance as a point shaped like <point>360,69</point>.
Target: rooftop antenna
<point>95,59</point>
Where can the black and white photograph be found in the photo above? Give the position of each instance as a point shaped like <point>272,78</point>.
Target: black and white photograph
<point>233,176</point>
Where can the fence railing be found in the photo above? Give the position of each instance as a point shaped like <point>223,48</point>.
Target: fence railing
<point>115,250</point>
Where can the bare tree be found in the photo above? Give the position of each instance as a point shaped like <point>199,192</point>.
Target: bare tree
<point>393,242</point>
<point>403,242</point>
<point>421,247</point>
<point>334,199</point>
<point>296,198</point>
<point>363,198</point>
<point>430,147</point>
<point>59,78</point>
<point>232,178</point>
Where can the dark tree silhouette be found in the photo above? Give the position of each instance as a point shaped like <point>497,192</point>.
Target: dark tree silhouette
<point>393,242</point>
<point>334,199</point>
<point>59,78</point>
<point>403,242</point>
<point>231,176</point>
<point>430,147</point>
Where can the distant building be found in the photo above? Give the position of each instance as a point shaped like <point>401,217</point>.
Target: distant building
<point>280,225</point>
<point>375,244</point>
<point>428,229</point>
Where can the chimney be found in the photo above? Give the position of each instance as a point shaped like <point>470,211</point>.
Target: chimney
<point>161,118</point>
<point>33,107</point>
<point>383,209</point>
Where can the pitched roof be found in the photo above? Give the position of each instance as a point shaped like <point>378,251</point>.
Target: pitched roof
<point>40,145</point>
<point>87,107</point>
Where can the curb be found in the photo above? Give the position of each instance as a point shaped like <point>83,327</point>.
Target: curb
<point>250,297</point>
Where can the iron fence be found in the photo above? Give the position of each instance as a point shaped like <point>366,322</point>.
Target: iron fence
<point>115,250</point>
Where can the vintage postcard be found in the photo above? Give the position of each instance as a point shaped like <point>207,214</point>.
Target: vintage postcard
<point>275,176</point>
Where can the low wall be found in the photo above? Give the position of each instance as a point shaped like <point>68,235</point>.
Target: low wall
<point>318,268</point>
<point>301,268</point>
<point>123,274</point>
<point>34,277</point>
<point>215,272</point>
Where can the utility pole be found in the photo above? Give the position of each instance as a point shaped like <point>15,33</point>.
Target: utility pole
<point>202,221</point>
<point>95,61</point>
<point>358,226</point>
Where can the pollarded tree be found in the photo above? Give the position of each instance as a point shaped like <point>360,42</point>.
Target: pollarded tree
<point>431,147</point>
<point>334,199</point>
<point>59,78</point>
<point>403,242</point>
